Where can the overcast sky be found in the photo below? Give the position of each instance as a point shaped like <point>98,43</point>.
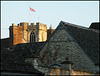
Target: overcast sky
<point>81,13</point>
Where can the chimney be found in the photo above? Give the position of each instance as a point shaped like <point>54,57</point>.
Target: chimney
<point>50,27</point>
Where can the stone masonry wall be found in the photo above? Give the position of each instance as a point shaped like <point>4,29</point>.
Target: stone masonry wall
<point>17,35</point>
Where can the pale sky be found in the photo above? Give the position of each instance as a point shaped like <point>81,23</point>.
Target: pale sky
<point>81,13</point>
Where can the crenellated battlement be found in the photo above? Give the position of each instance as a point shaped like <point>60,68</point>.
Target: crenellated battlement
<point>38,24</point>
<point>21,24</point>
<point>32,24</point>
<point>41,26</point>
<point>25,25</point>
<point>24,32</point>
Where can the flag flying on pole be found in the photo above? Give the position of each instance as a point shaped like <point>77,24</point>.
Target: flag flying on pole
<point>31,9</point>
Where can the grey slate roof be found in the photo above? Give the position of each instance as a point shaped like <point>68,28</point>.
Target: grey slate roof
<point>13,58</point>
<point>5,43</point>
<point>24,50</point>
<point>87,38</point>
<point>95,25</point>
<point>11,63</point>
<point>61,42</point>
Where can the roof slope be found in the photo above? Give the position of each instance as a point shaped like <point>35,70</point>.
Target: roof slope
<point>87,38</point>
<point>24,50</point>
<point>5,43</point>
<point>62,44</point>
<point>95,26</point>
<point>11,63</point>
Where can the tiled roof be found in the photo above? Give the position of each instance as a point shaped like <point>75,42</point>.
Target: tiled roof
<point>95,26</point>
<point>73,40</point>
<point>24,50</point>
<point>87,38</point>
<point>11,63</point>
<point>5,43</point>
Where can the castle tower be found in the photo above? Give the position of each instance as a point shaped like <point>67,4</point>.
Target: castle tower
<point>25,33</point>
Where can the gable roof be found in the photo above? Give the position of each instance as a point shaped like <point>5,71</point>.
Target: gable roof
<point>87,38</point>
<point>54,44</point>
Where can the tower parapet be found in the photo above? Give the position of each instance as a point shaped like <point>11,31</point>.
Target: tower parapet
<point>24,25</point>
<point>32,24</point>
<point>21,33</point>
<point>41,26</point>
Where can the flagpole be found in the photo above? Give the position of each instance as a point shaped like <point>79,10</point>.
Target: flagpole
<point>30,9</point>
<point>29,15</point>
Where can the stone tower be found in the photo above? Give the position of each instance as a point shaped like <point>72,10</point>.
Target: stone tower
<point>25,33</point>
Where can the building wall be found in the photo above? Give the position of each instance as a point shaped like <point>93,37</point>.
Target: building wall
<point>53,70</point>
<point>24,32</point>
<point>32,28</point>
<point>15,34</point>
<point>60,71</point>
<point>42,32</point>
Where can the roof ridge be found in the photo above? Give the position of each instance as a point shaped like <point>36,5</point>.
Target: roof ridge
<point>73,24</point>
<point>79,26</point>
<point>48,39</point>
